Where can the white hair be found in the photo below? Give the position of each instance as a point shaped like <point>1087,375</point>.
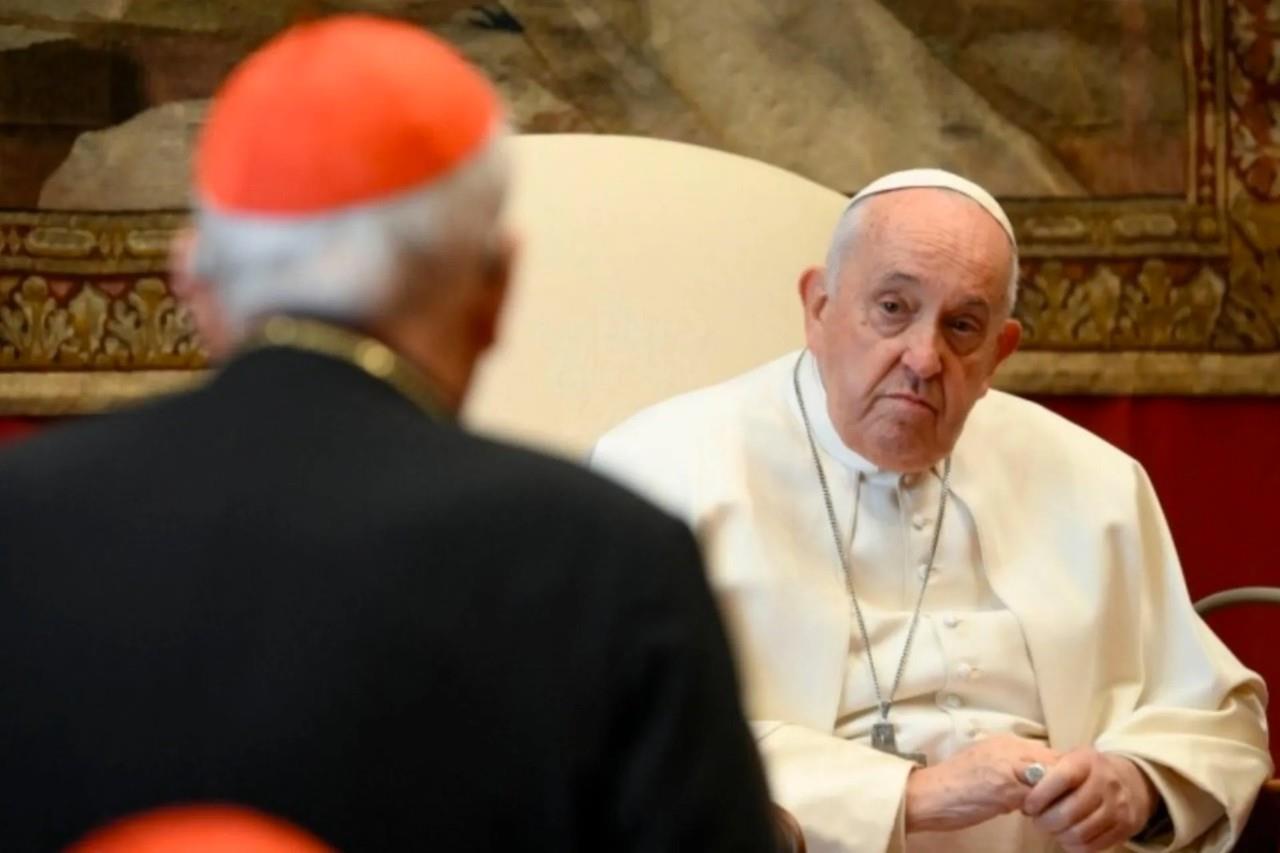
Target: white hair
<point>850,227</point>
<point>348,265</point>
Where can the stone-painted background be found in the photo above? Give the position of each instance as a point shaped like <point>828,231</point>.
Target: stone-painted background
<point>1136,144</point>
<point>100,99</point>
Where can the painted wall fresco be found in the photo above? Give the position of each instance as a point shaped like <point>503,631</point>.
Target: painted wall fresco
<point>1028,100</point>
<point>1132,140</point>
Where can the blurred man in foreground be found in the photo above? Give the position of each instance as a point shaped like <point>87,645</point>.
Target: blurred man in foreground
<point>302,588</point>
<point>963,627</point>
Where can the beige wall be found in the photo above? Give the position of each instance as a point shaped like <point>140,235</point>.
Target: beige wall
<point>648,268</point>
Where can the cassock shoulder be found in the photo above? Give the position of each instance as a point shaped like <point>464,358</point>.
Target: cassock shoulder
<point>1030,448</point>
<point>108,445</point>
<point>1020,426</point>
<point>557,491</point>
<point>684,418</point>
<point>662,451</point>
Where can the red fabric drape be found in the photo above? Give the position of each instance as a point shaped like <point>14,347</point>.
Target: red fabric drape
<point>1216,466</point>
<point>12,428</point>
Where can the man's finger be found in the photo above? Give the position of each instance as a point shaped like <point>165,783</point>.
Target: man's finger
<point>1084,832</point>
<point>1113,837</point>
<point>1062,778</point>
<point>1069,810</point>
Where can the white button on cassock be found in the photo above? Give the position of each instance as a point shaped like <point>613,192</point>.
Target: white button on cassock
<point>953,701</point>
<point>919,521</point>
<point>923,568</point>
<point>965,670</point>
<point>950,620</point>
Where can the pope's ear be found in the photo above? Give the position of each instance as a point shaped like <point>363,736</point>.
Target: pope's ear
<point>815,300</point>
<point>1007,340</point>
<point>813,293</point>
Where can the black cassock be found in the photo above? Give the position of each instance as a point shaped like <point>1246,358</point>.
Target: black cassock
<point>290,589</point>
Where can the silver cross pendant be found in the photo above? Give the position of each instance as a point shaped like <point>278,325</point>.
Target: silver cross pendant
<point>884,738</point>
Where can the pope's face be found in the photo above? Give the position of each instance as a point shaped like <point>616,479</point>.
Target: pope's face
<point>915,327</point>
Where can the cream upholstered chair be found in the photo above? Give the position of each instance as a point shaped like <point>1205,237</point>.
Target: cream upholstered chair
<point>648,268</point>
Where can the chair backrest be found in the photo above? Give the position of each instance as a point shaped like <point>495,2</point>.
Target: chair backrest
<point>648,268</point>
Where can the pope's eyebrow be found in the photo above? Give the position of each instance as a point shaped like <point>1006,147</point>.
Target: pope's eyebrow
<point>897,277</point>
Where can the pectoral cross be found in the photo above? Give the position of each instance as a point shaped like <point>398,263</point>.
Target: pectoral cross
<point>884,738</point>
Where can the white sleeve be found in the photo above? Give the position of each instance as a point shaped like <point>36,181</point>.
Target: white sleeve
<point>1198,727</point>
<point>848,797</point>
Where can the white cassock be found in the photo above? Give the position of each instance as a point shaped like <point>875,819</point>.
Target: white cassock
<point>1056,609</point>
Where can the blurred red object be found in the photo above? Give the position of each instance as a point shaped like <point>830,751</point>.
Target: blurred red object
<point>200,829</point>
<point>12,429</point>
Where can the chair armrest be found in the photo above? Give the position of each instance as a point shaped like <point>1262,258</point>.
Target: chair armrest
<point>1262,831</point>
<point>1239,595</point>
<point>790,838</point>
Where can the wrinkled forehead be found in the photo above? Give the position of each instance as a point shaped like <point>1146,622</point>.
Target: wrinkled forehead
<point>930,233</point>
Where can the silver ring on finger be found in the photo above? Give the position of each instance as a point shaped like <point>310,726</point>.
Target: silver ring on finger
<point>1033,773</point>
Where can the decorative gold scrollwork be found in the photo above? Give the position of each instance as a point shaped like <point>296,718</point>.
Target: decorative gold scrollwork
<point>59,324</point>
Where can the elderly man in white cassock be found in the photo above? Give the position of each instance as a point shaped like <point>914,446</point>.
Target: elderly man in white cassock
<point>960,619</point>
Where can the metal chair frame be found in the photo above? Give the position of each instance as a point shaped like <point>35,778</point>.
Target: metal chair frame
<point>1239,595</point>
<point>1259,834</point>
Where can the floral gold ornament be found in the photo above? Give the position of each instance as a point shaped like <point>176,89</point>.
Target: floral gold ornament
<point>1162,294</point>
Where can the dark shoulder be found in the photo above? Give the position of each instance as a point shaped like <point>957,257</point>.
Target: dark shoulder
<point>73,446</point>
<point>557,536</point>
<point>559,491</point>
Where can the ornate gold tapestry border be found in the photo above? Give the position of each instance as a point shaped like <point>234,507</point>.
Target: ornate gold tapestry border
<point>86,392</point>
<point>87,243</point>
<point>1051,228</point>
<point>104,322</point>
<point>1156,295</point>
<point>1086,373</point>
<point>1141,373</point>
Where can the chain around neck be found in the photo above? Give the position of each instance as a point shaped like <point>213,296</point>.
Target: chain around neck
<point>361,351</point>
<point>883,701</point>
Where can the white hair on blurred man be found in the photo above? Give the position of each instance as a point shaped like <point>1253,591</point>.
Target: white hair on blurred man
<point>351,264</point>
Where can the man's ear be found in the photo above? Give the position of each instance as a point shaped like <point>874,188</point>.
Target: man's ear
<point>1007,340</point>
<point>199,296</point>
<point>494,287</point>
<point>815,300</point>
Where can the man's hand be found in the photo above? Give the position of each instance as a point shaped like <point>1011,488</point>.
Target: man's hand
<point>1091,801</point>
<point>973,785</point>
